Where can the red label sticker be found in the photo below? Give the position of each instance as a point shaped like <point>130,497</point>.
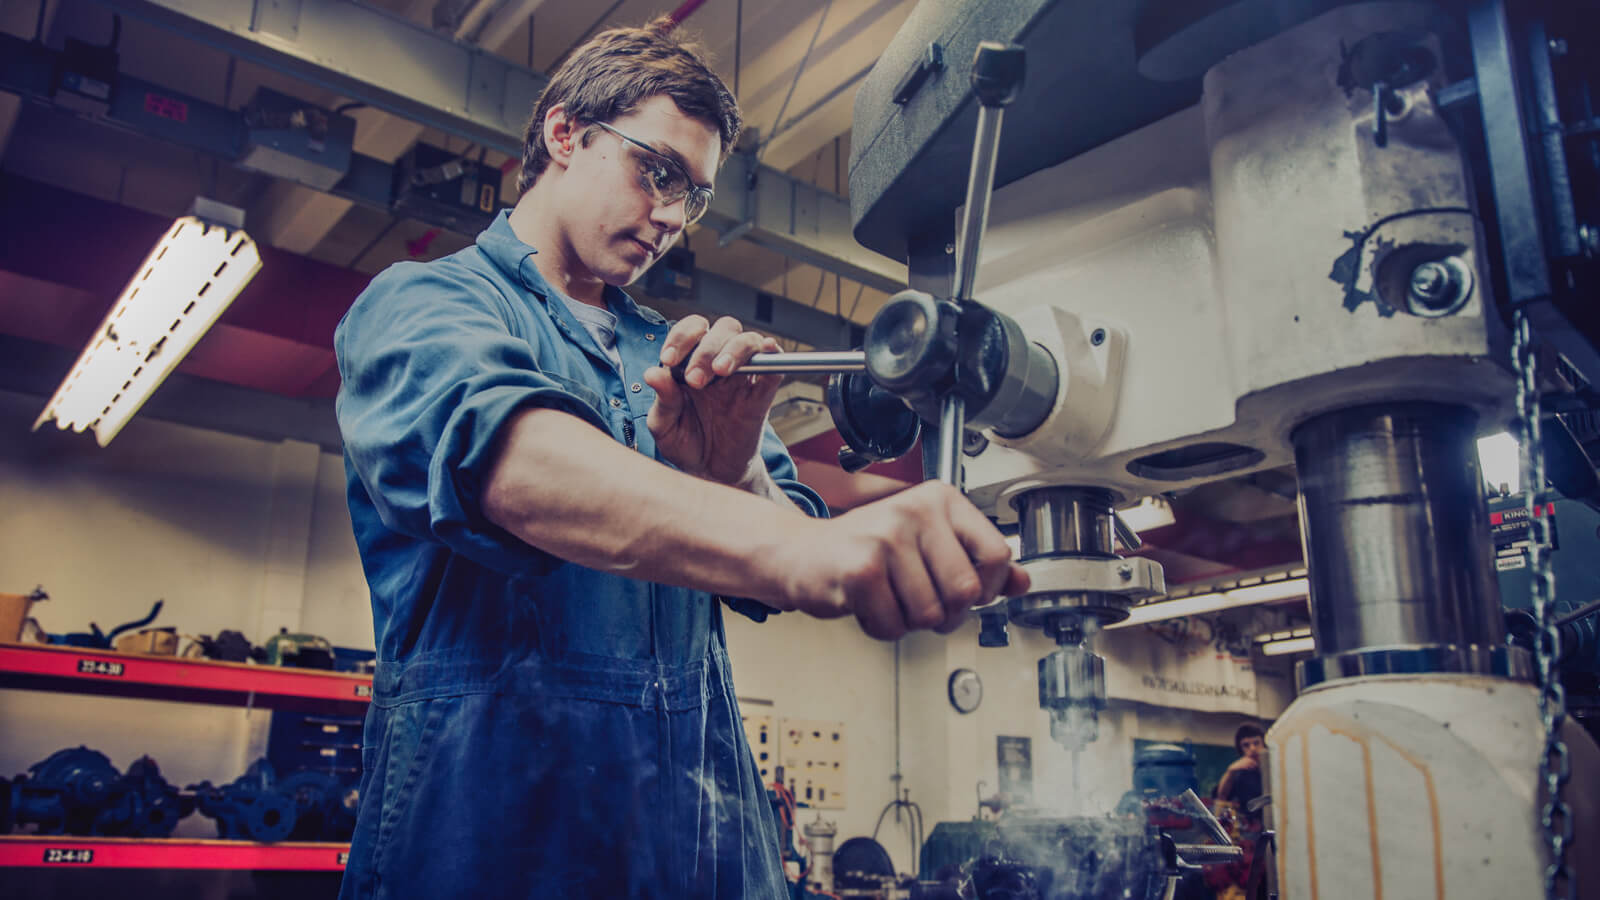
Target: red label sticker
<point>166,107</point>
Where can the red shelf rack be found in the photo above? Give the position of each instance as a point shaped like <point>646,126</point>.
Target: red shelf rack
<point>107,672</point>
<point>61,852</point>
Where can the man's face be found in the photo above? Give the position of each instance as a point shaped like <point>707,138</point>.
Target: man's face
<point>615,223</point>
<point>1252,747</point>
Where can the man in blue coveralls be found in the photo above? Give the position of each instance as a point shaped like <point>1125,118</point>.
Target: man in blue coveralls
<point>548,521</point>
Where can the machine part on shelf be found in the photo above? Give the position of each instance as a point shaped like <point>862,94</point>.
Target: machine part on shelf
<point>153,641</point>
<point>1397,543</point>
<point>228,646</point>
<point>325,808</point>
<point>14,609</point>
<point>94,637</point>
<point>302,651</point>
<point>64,793</point>
<point>250,807</point>
<point>1555,762</point>
<point>819,838</point>
<point>148,805</point>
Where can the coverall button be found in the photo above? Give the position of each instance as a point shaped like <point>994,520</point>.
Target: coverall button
<point>649,336</point>
<point>635,387</point>
<point>616,403</point>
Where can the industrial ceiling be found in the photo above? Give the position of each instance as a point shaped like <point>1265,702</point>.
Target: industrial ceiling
<point>84,201</point>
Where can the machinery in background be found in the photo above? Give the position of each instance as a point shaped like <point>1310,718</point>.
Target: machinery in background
<point>1574,529</point>
<point>1335,222</point>
<point>260,806</point>
<point>301,651</point>
<point>1341,226</point>
<point>819,839</point>
<point>102,640</point>
<point>78,791</point>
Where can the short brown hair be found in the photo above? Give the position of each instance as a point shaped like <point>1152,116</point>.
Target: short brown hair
<point>609,76</point>
<point>1247,730</point>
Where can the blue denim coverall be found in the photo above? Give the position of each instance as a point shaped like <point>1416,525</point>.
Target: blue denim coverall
<point>538,729</point>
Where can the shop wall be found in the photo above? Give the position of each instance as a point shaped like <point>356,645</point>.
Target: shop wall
<point>229,532</point>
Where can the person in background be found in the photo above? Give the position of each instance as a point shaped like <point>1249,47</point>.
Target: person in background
<point>1241,783</point>
<point>551,524</point>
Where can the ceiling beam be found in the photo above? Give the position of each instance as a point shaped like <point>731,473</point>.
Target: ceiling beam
<point>485,99</point>
<point>296,218</point>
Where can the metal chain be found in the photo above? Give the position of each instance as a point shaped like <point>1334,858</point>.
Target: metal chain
<point>1555,817</point>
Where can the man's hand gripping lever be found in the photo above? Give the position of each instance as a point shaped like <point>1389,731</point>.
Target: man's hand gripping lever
<point>924,557</point>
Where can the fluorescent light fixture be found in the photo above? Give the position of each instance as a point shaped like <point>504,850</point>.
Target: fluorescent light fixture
<point>186,282</point>
<point>1150,513</point>
<point>1282,643</point>
<point>1500,461</point>
<point>1251,594</point>
<point>1292,645</point>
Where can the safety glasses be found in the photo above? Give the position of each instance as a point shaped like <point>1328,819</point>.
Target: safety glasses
<point>665,180</point>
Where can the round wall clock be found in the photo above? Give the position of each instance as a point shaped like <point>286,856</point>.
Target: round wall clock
<point>966,690</point>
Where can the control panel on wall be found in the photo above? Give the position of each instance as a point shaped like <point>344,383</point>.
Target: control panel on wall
<point>812,752</point>
<point>763,738</point>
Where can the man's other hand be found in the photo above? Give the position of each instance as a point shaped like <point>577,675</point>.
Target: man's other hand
<point>710,425</point>
<point>918,559</point>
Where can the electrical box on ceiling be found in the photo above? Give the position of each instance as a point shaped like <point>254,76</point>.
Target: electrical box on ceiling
<point>287,137</point>
<point>446,189</point>
<point>85,76</point>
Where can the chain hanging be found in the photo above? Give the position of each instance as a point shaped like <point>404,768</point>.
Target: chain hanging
<point>1555,817</point>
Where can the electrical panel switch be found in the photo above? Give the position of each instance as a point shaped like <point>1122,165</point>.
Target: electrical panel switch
<point>812,752</point>
<point>763,737</point>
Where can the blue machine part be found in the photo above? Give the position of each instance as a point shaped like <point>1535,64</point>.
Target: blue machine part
<point>146,805</point>
<point>250,808</point>
<point>325,809</point>
<point>65,793</point>
<point>1160,772</point>
<point>1164,770</point>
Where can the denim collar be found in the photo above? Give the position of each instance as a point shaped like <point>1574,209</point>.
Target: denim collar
<point>503,248</point>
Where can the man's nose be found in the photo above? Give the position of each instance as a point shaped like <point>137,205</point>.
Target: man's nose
<point>668,217</point>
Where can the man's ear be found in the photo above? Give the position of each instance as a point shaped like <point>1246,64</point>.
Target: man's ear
<point>560,135</point>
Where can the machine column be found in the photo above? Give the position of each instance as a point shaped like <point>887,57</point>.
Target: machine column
<point>1397,542</point>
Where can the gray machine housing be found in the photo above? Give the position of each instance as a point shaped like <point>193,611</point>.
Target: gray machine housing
<point>1097,69</point>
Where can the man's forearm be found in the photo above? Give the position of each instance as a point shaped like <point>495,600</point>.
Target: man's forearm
<point>563,486</point>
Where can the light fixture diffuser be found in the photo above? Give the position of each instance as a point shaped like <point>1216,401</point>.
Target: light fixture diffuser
<point>195,271</point>
<point>1282,643</point>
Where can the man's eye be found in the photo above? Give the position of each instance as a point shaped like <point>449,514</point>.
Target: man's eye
<point>664,179</point>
